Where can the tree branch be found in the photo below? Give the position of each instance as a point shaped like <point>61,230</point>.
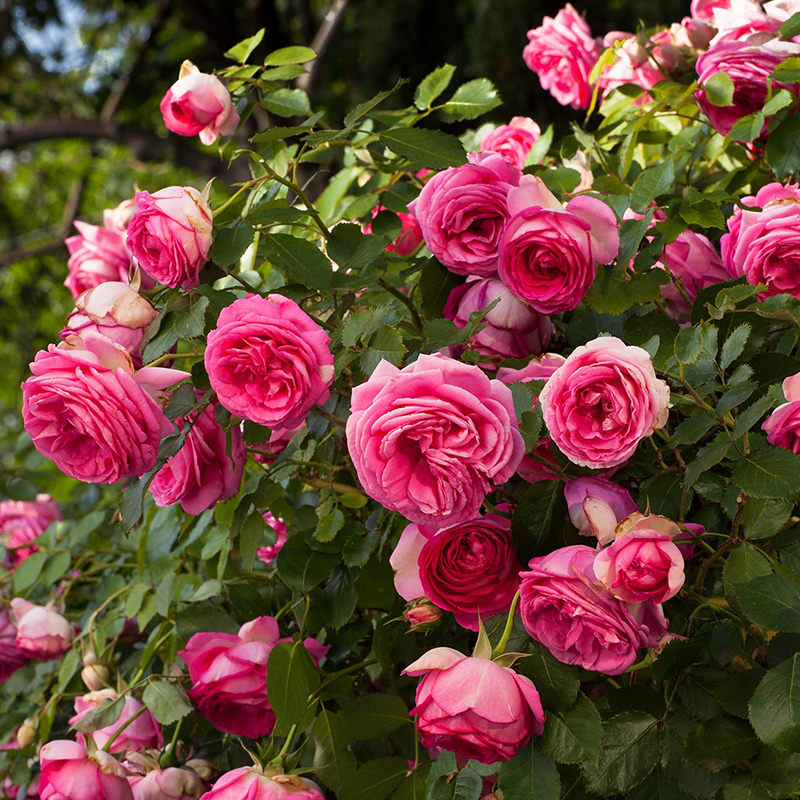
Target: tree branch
<point>320,43</point>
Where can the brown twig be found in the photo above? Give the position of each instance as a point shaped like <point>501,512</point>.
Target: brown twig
<point>320,43</point>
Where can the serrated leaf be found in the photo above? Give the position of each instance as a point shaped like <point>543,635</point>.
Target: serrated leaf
<point>734,345</point>
<point>374,715</point>
<point>288,103</point>
<point>470,100</point>
<point>230,245</point>
<point>374,780</point>
<point>721,742</point>
<point>775,706</point>
<point>719,89</point>
<point>425,148</point>
<point>103,715</point>
<point>557,683</point>
<point>387,344</point>
<point>432,85</point>
<point>652,183</point>
<point>574,736</point>
<point>301,259</point>
<point>783,148</point>
<point>329,525</point>
<point>333,761</point>
<point>769,473</point>
<point>289,55</point>
<point>692,429</point>
<point>771,602</point>
<point>764,518</point>
<point>291,677</point>
<point>538,520</point>
<point>530,775</point>
<point>241,52</point>
<point>743,564</point>
<point>166,701</point>
<point>250,537</point>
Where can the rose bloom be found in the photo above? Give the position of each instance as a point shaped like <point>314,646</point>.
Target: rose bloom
<point>783,424</point>
<point>268,361</point>
<point>170,234</point>
<point>229,676</point>
<point>597,505</point>
<point>512,329</point>
<point>764,245</point>
<point>410,237</point>
<point>462,212</point>
<point>70,773</point>
<point>548,252</point>
<point>705,9</point>
<point>198,104</point>
<point>473,706</point>
<point>41,632</point>
<point>202,473</point>
<point>117,219</point>
<point>268,554</point>
<point>749,67</point>
<point>578,620</point>
<point>642,563</point>
<point>743,20</point>
<point>633,63</point>
<point>513,141</point>
<point>470,568</point>
<point>171,783</point>
<point>88,412</point>
<point>116,311</point>
<point>603,401</point>
<point>249,783</point>
<point>143,732</point>
<point>430,440</point>
<point>537,369</point>
<point>22,521</point>
<point>11,657</point>
<point>97,255</point>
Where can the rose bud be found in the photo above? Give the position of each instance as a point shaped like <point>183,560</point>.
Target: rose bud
<point>95,677</point>
<point>11,657</point>
<point>249,783</point>
<point>97,255</point>
<point>171,783</point>
<point>26,734</point>
<point>70,773</point>
<point>170,235</point>
<point>198,104</point>
<point>41,632</point>
<point>513,141</point>
<point>23,521</point>
<point>268,554</point>
<point>143,732</point>
<point>490,721</point>
<point>421,614</point>
<point>596,506</point>
<point>205,769</point>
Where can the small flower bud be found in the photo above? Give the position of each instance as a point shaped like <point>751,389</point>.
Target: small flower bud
<point>26,734</point>
<point>95,676</point>
<point>421,614</point>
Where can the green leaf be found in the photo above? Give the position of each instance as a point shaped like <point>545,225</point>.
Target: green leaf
<point>340,598</point>
<point>557,683</point>
<point>763,518</point>
<point>772,473</point>
<point>435,285</point>
<point>561,180</point>
<point>230,245</point>
<point>721,742</point>
<point>166,701</point>
<point>250,537</point>
<point>719,89</point>
<point>289,55</point>
<point>302,568</point>
<point>771,602</point>
<point>132,502</point>
<point>374,780</point>
<point>333,761</point>
<point>615,291</point>
<point>692,429</point>
<point>470,100</point>
<point>734,691</point>
<point>107,713</point>
<point>27,573</point>
<point>466,785</point>
<point>385,344</point>
<point>775,706</point>
<point>574,736</point>
<point>734,345</point>
<point>652,183</point>
<point>783,98</point>
<point>255,433</point>
<point>538,520</point>
<point>783,148</point>
<point>241,52</point>
<point>329,525</point>
<point>750,416</point>
<point>530,775</point>
<point>744,786</point>
<point>743,564</point>
<point>432,85</point>
<point>374,715</point>
<point>688,345</point>
<point>425,148</point>
<point>304,262</point>
<point>778,772</point>
<point>790,28</point>
<point>291,677</point>
<point>288,103</point>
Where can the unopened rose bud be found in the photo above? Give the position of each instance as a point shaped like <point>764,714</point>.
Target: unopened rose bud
<point>89,657</point>
<point>26,734</point>
<point>95,676</point>
<point>422,614</point>
<point>202,768</point>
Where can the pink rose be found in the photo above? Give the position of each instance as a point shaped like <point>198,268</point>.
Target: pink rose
<point>642,563</point>
<point>578,620</point>
<point>537,369</point>
<point>170,234</point>
<point>229,676</point>
<point>114,310</point>
<point>603,401</point>
<point>512,329</point>
<point>562,53</point>
<point>410,237</point>
<point>473,706</point>
<point>635,63</point>
<point>248,783</point>
<point>88,412</point>
<point>783,424</point>
<point>549,252</point>
<point>268,361</point>
<point>470,568</point>
<point>429,440</point>
<point>420,613</point>
<point>22,521</point>
<point>198,103</point>
<point>705,9</point>
<point>143,732</point>
<point>70,773</point>
<point>205,471</point>
<point>540,465</point>
<point>749,67</point>
<point>743,20</point>
<point>268,554</point>
<point>462,212</point>
<point>41,632</point>
<point>172,783</point>
<point>11,657</point>
<point>513,141</point>
<point>597,505</point>
<point>97,255</point>
<point>117,219</point>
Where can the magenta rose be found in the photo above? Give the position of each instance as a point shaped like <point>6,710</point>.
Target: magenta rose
<point>139,734</point>
<point>578,620</point>
<point>562,52</point>
<point>171,783</point>
<point>198,104</point>
<point>549,252</point>
<point>249,783</point>
<point>597,505</point>
<point>41,632</point>
<point>170,234</point>
<point>430,440</point>
<point>205,471</point>
<point>88,412</point>
<point>11,657</point>
<point>268,361</point>
<point>783,424</point>
<point>70,773</point>
<point>268,554</point>
<point>603,401</point>
<point>97,255</point>
<point>513,141</point>
<point>470,569</point>
<point>462,212</point>
<point>22,521</point>
<point>512,329</point>
<point>410,237</point>
<point>474,707</point>
<point>229,676</point>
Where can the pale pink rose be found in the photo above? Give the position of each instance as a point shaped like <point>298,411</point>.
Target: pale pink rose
<point>764,245</point>
<point>512,329</point>
<point>578,620</point>
<point>779,11</point>
<point>580,164</point>
<point>11,657</point>
<point>473,706</point>
<point>537,369</point>
<point>470,568</point>
<point>783,424</point>
<point>410,237</point>
<point>114,310</point>
<point>705,9</point>
<point>430,440</point>
<point>268,554</point>
<point>198,104</point>
<point>171,783</point>
<point>70,773</point>
<point>462,212</point>
<point>22,521</point>
<point>597,505</point>
<point>229,676</point>
<point>207,470</point>
<point>97,255</point>
<point>170,234</point>
<point>562,52</point>
<point>743,20</point>
<point>268,361</point>
<point>41,632</point>
<point>88,412</point>
<point>549,252</point>
<point>513,141</point>
<point>634,63</point>
<point>249,783</point>
<point>691,34</point>
<point>143,732</point>
<point>117,219</point>
<point>603,401</point>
